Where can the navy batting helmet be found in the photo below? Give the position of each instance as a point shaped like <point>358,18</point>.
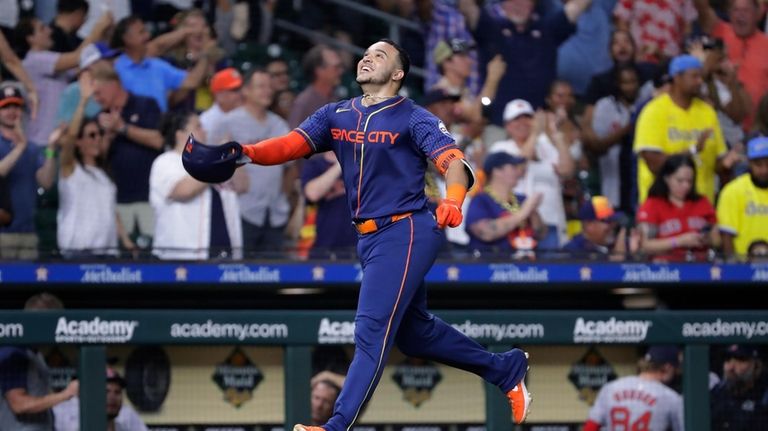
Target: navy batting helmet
<point>209,163</point>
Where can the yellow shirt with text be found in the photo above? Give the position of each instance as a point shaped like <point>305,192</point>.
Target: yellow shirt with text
<point>664,126</point>
<point>743,212</point>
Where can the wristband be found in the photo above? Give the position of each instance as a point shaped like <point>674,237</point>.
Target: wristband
<point>673,240</point>
<point>123,130</point>
<point>50,153</point>
<point>457,192</point>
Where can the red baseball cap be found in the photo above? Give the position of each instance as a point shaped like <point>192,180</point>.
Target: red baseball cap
<point>226,79</point>
<point>10,94</point>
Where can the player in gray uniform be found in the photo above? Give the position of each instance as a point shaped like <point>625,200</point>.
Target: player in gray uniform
<point>643,402</point>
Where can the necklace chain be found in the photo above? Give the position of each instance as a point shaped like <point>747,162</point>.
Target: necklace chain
<point>511,204</point>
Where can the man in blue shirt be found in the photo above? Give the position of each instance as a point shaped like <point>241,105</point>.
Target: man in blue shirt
<point>527,42</point>
<point>151,76</point>
<point>25,167</point>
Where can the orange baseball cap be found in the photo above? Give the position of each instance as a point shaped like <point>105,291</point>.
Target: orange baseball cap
<point>226,79</point>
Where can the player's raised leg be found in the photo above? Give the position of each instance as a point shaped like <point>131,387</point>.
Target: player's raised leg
<point>424,335</point>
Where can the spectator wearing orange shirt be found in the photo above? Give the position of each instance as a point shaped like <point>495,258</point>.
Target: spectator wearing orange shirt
<point>746,44</point>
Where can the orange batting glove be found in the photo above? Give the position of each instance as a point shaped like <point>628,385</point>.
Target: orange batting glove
<point>448,213</point>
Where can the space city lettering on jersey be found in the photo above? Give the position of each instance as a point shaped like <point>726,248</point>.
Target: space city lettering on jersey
<point>95,330</point>
<point>335,332</point>
<point>361,136</point>
<point>610,331</point>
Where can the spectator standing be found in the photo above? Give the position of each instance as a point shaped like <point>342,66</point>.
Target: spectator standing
<point>323,68</point>
<point>225,87</point>
<point>51,71</point>
<point>455,62</point>
<point>197,42</point>
<point>11,62</point>
<point>524,39</point>
<point>130,124</point>
<point>499,220</point>
<point>583,54</point>
<point>745,44</point>
<point>264,208</point>
<point>676,222</point>
<point>448,23</point>
<point>680,122</point>
<point>622,49</point>
<point>722,88</point>
<point>644,401</point>
<point>144,75</point>
<point>88,224</point>
<point>537,139</point>
<point>612,125</point>
<point>601,237</point>
<point>25,384</point>
<point>25,167</point>
<point>739,402</point>
<point>743,203</point>
<point>658,26</point>
<point>93,56</point>
<point>70,16</point>
<point>194,220</point>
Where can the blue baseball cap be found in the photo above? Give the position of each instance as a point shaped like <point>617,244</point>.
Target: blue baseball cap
<point>663,354</point>
<point>757,148</point>
<point>741,351</point>
<point>499,159</point>
<point>681,63</point>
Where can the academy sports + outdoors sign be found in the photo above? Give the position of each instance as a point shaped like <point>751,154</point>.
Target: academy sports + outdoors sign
<point>291,327</point>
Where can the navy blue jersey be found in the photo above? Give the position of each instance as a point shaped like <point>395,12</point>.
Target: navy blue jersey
<point>383,150</point>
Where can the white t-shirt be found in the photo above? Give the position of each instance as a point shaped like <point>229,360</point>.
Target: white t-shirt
<point>183,229</point>
<point>609,116</point>
<point>540,176</point>
<point>87,215</point>
<point>209,119</point>
<point>119,8</point>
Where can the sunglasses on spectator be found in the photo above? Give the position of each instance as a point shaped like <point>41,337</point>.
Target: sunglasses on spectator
<point>93,135</point>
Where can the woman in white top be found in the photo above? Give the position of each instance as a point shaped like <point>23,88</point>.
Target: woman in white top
<point>87,219</point>
<point>534,135</point>
<point>193,220</point>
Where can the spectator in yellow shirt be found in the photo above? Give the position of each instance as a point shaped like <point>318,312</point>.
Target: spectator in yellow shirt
<point>680,122</point>
<point>742,211</point>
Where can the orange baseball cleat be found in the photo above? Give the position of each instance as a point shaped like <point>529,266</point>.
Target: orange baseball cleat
<point>300,427</point>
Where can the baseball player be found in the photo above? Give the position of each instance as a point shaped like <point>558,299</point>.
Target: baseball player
<point>383,143</point>
<point>641,402</point>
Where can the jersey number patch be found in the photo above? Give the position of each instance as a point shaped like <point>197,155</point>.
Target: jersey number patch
<point>620,420</point>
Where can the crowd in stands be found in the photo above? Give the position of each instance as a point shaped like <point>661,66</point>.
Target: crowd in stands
<point>600,129</point>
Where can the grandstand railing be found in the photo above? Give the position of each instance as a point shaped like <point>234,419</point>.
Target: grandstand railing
<point>326,272</point>
<point>297,331</point>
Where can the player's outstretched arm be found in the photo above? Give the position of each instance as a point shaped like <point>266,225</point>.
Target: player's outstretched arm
<point>278,150</point>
